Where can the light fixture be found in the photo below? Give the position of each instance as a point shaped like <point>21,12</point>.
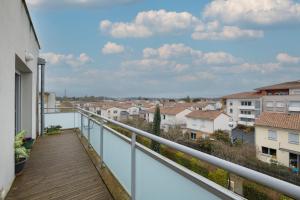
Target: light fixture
<point>28,57</point>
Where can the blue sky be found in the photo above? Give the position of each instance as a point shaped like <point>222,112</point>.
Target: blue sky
<point>169,48</point>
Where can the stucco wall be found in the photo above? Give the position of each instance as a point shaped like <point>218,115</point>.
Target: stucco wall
<point>16,37</point>
<point>222,123</point>
<point>261,139</point>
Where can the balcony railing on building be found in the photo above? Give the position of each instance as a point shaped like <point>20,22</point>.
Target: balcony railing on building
<point>145,174</point>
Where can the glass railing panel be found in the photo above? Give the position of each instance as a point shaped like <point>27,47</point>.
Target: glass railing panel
<point>155,180</point>
<point>95,136</point>
<point>66,120</point>
<point>85,126</point>
<point>117,157</point>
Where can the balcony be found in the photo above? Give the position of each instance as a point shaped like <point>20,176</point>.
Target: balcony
<point>247,116</point>
<point>246,107</point>
<point>294,108</point>
<point>246,123</point>
<point>61,167</point>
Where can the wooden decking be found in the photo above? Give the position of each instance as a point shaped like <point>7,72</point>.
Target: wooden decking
<point>59,168</point>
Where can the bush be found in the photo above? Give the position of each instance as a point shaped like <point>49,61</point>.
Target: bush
<point>220,177</point>
<point>253,191</point>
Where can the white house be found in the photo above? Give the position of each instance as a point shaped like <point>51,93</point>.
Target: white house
<point>244,107</point>
<point>171,116</point>
<point>19,51</point>
<point>277,137</point>
<point>203,123</point>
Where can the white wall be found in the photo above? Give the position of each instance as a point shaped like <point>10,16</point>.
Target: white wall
<point>235,104</point>
<point>16,37</point>
<point>222,123</point>
<point>209,126</point>
<point>202,125</point>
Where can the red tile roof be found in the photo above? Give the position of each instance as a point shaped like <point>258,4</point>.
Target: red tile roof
<point>285,85</point>
<point>243,95</point>
<point>168,110</point>
<point>279,120</point>
<point>199,114</point>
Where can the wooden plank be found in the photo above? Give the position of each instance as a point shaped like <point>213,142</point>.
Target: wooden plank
<point>59,168</point>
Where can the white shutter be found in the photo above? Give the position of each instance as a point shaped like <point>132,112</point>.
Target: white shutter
<point>293,138</point>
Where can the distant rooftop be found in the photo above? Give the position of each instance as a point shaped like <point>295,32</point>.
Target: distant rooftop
<point>243,95</point>
<point>169,110</point>
<point>279,120</point>
<point>285,85</point>
<point>199,114</point>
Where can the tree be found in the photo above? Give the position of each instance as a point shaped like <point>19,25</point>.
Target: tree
<point>155,146</point>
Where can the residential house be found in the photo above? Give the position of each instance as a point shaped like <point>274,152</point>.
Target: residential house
<point>170,117</point>
<point>283,97</point>
<point>19,51</point>
<point>277,138</point>
<point>201,124</point>
<point>244,107</point>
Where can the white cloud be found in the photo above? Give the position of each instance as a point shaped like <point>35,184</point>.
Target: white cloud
<point>262,12</point>
<point>213,31</point>
<point>218,58</point>
<point>171,50</point>
<point>69,59</point>
<point>286,58</point>
<point>77,3</point>
<point>196,77</point>
<point>250,67</point>
<point>177,51</point>
<point>147,64</point>
<point>148,23</point>
<point>112,48</point>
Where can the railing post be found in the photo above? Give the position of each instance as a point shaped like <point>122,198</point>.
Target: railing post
<point>101,142</point>
<point>81,124</point>
<point>89,130</point>
<point>133,162</point>
<point>74,119</point>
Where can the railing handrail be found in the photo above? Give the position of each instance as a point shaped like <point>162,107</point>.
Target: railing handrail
<point>266,180</point>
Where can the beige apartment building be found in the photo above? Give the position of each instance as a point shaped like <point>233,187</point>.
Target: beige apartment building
<point>277,138</point>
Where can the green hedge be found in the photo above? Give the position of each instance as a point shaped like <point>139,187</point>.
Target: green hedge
<point>253,191</point>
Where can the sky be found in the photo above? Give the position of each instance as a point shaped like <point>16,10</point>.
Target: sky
<point>169,48</point>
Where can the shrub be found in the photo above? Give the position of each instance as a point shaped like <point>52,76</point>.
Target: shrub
<point>220,177</point>
<point>254,191</point>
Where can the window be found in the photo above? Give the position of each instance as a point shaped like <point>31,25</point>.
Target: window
<point>246,112</point>
<point>280,104</point>
<point>115,111</point>
<point>272,135</point>
<point>293,138</point>
<point>269,151</point>
<point>269,104</point>
<point>230,103</point>
<point>164,117</point>
<point>193,136</point>
<point>231,111</point>
<point>246,103</point>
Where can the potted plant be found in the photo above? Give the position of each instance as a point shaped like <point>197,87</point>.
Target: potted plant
<point>53,130</point>
<point>21,153</point>
<point>28,142</point>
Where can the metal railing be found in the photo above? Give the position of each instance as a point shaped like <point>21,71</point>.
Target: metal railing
<point>286,188</point>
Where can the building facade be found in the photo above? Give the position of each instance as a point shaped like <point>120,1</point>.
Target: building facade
<point>277,138</point>
<point>19,51</point>
<point>170,117</point>
<point>200,124</point>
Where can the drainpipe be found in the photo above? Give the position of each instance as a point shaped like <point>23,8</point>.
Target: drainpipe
<point>42,63</point>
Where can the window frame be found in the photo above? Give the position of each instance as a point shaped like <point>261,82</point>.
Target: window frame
<point>270,136</point>
<point>289,138</point>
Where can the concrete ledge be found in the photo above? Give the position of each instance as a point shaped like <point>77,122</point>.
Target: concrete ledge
<point>112,183</point>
